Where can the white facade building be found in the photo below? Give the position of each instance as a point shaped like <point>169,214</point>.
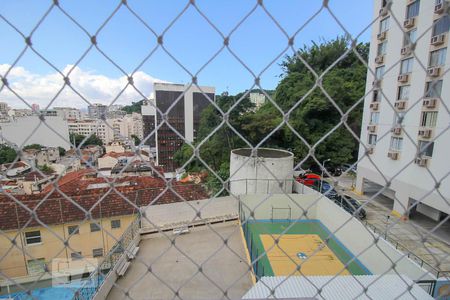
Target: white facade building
<point>30,130</point>
<point>404,121</point>
<point>110,130</point>
<point>69,113</point>
<point>88,127</point>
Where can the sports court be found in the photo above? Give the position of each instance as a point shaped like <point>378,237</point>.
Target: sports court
<point>307,243</point>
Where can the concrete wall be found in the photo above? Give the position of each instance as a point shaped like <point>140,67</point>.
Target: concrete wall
<point>18,132</point>
<point>262,174</point>
<point>262,204</point>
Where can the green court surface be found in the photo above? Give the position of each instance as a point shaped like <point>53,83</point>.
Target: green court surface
<point>253,231</point>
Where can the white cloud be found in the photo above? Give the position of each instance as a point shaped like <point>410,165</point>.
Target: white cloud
<point>96,88</point>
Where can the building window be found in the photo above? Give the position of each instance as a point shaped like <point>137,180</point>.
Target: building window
<point>379,72</point>
<point>403,92</point>
<point>73,230</point>
<point>399,118</point>
<point>115,224</point>
<point>437,58</point>
<point>410,37</point>
<point>396,144</point>
<point>376,96</point>
<point>412,10</point>
<point>433,89</point>
<point>381,50</point>
<point>384,25</point>
<point>374,117</point>
<point>76,255</point>
<point>426,148</point>
<point>95,227</point>
<point>406,66</point>
<point>441,25</point>
<point>429,119</point>
<point>372,140</point>
<point>33,237</point>
<point>36,266</point>
<point>97,252</point>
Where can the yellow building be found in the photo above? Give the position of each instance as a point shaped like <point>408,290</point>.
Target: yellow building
<point>37,247</point>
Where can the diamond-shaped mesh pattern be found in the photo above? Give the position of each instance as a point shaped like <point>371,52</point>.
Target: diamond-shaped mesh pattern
<point>129,221</point>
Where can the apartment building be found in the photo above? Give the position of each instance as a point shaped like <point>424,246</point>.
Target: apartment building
<point>88,237</point>
<point>405,116</point>
<point>97,111</point>
<point>88,127</point>
<point>184,117</point>
<point>69,113</point>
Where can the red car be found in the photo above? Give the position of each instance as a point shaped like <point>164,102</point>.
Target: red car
<point>309,179</point>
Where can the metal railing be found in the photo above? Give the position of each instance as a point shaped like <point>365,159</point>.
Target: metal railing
<point>91,285</point>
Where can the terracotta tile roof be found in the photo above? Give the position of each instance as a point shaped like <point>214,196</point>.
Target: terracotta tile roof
<point>70,177</point>
<point>56,209</point>
<point>19,164</point>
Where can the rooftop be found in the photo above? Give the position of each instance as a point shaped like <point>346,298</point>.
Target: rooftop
<point>224,268</point>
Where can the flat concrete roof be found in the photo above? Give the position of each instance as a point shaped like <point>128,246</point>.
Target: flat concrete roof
<point>185,213</point>
<point>224,267</point>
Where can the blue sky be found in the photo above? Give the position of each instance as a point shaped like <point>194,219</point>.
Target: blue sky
<point>191,40</point>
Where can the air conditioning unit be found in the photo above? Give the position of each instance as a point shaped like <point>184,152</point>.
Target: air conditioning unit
<point>381,36</point>
<point>408,23</point>
<point>437,40</point>
<point>383,11</point>
<point>403,78</point>
<point>406,50</point>
<point>374,105</point>
<point>440,7</point>
<point>434,71</point>
<point>397,130</point>
<point>430,103</point>
<point>372,128</point>
<point>421,161</point>
<point>379,59</point>
<point>400,104</point>
<point>425,133</point>
<point>393,155</point>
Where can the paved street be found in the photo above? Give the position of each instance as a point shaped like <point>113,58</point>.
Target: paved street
<point>408,234</point>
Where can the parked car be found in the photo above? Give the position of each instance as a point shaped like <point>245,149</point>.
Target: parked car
<point>350,205</point>
<point>309,179</point>
<point>350,167</point>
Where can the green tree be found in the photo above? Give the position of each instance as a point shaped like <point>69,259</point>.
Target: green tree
<point>91,140</point>
<point>316,115</point>
<point>7,154</point>
<point>136,139</point>
<point>62,151</point>
<point>33,146</point>
<point>46,169</point>
<point>134,107</point>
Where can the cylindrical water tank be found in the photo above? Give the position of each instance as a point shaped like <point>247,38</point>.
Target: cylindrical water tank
<point>263,171</point>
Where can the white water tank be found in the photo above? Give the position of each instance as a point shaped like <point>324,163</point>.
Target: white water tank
<point>264,171</point>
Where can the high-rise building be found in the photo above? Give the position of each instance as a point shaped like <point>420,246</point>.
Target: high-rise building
<point>4,109</point>
<point>405,116</point>
<point>97,111</point>
<point>184,117</point>
<point>69,113</point>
